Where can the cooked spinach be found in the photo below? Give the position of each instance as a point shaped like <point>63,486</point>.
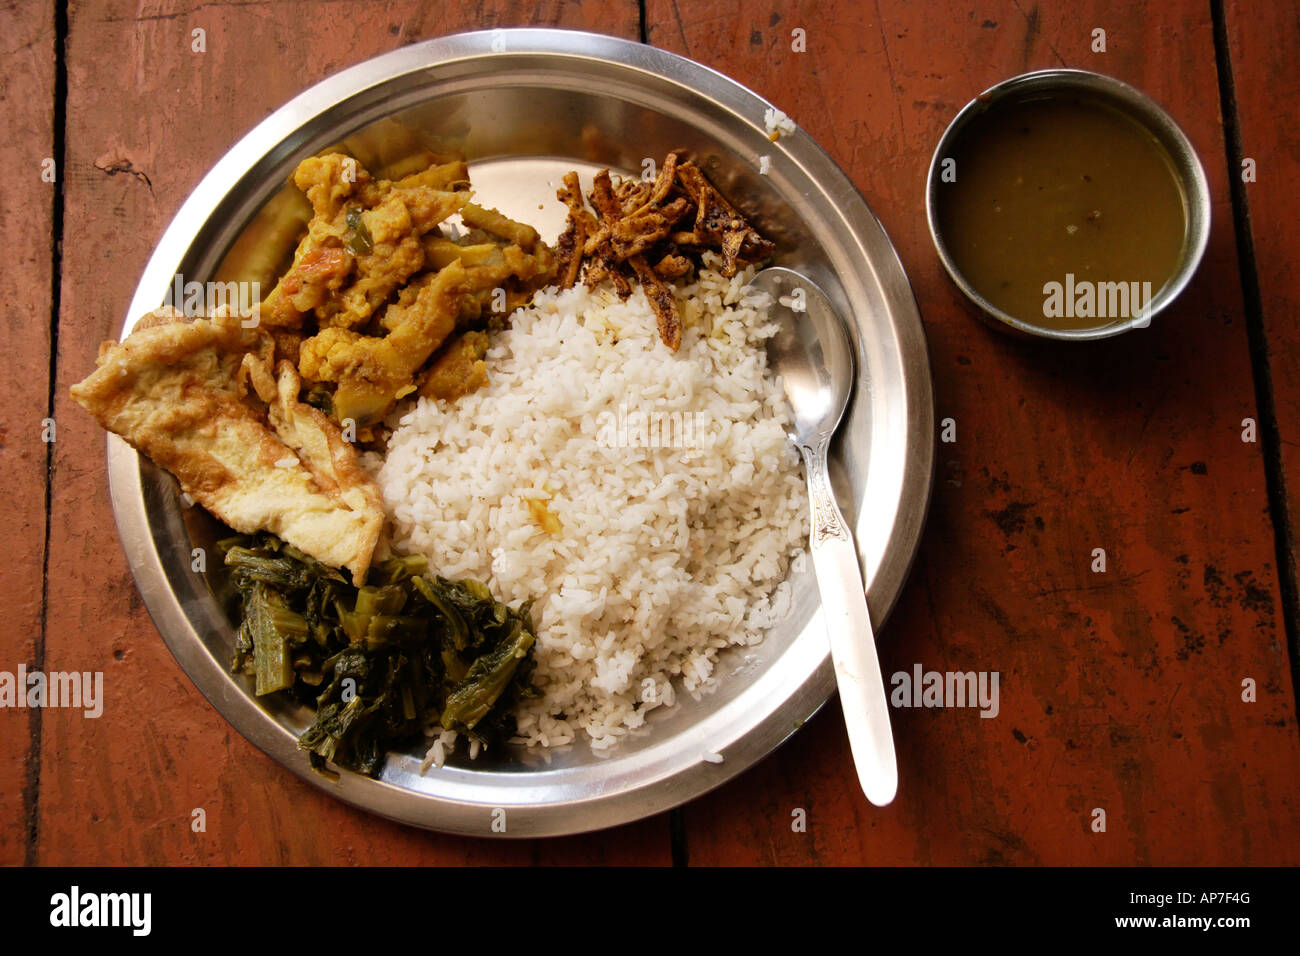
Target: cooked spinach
<point>381,662</point>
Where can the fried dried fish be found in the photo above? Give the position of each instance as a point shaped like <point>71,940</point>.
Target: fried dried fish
<point>661,301</point>
<point>638,223</point>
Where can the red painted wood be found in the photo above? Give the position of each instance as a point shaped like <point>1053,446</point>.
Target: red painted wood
<point>26,204</point>
<point>1264,42</point>
<point>1119,691</point>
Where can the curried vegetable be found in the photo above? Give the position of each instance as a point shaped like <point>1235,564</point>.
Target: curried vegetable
<point>380,663</point>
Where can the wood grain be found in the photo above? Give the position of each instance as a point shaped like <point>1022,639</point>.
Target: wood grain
<point>26,204</point>
<point>1263,43</point>
<point>1120,691</point>
<point>147,117</point>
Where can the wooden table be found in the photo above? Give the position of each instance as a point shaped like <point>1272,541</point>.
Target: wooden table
<point>1120,690</point>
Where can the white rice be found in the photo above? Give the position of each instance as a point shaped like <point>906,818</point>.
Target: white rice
<point>680,498</point>
<point>444,741</point>
<point>775,121</point>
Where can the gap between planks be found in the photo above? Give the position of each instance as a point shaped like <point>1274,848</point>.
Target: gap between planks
<point>1266,409</point>
<point>32,785</point>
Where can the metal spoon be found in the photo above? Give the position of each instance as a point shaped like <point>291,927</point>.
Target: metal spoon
<point>813,354</point>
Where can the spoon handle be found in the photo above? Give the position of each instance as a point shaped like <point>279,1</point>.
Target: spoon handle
<point>853,643</point>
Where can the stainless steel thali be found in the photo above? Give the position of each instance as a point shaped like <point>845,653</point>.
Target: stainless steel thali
<point>522,106</point>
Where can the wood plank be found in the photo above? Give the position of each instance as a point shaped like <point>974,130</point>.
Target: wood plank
<point>26,204</point>
<point>1119,691</point>
<point>146,118</point>
<point>1263,43</point>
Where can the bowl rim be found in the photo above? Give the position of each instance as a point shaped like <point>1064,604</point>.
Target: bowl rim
<point>1142,109</point>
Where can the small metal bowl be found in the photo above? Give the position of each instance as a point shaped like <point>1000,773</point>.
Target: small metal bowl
<point>1136,105</point>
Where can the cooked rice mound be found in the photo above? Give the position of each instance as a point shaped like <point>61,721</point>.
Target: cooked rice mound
<point>649,500</point>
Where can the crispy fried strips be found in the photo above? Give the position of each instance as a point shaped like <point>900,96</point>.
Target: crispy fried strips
<point>635,232</point>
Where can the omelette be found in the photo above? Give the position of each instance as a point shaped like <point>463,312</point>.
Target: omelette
<point>201,399</point>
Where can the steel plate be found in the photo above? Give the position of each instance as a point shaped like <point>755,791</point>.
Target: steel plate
<point>521,106</point>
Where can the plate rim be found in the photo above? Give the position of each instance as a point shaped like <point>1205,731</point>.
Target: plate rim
<point>656,793</point>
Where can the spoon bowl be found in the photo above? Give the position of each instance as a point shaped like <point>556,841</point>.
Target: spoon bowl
<point>813,354</point>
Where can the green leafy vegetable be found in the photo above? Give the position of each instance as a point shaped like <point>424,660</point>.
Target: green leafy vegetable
<point>273,630</point>
<point>489,675</point>
<point>358,240</point>
<point>382,662</point>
